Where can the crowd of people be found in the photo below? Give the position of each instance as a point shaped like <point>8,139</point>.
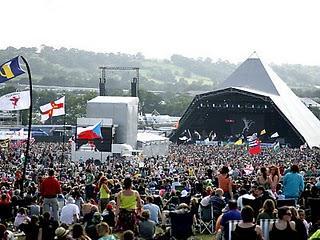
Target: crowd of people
<point>158,197</point>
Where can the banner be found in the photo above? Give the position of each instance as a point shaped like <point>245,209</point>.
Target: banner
<point>15,101</point>
<point>10,70</point>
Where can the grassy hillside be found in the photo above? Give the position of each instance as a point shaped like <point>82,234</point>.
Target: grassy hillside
<point>78,68</point>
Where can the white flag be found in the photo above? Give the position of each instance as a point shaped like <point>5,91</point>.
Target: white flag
<point>52,109</point>
<point>275,135</point>
<point>15,101</point>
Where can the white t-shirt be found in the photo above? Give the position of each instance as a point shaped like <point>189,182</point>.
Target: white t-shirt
<point>239,200</point>
<point>67,213</point>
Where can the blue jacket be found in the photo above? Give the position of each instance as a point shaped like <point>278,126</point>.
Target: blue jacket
<point>293,185</point>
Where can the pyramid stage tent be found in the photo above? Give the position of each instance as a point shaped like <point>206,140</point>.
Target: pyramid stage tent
<point>253,98</point>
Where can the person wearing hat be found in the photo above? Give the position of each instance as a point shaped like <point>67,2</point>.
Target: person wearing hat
<point>62,234</point>
<point>70,212</point>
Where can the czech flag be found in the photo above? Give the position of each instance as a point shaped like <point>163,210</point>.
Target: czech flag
<point>89,133</point>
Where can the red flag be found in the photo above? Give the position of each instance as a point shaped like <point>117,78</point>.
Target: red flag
<point>254,146</point>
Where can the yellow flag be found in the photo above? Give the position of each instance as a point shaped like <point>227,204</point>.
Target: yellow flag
<point>263,132</point>
<point>239,142</point>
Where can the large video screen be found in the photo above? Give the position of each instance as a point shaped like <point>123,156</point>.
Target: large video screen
<point>101,145</point>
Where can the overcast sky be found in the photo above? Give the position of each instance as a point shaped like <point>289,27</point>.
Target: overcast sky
<point>281,31</point>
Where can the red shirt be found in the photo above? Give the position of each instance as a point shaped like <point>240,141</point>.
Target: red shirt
<point>50,187</point>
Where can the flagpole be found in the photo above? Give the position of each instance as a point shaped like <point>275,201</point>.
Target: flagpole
<point>29,126</point>
<point>64,137</point>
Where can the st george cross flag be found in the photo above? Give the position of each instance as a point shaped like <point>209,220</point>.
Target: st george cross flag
<point>15,101</point>
<point>52,109</point>
<point>89,133</point>
<point>10,70</point>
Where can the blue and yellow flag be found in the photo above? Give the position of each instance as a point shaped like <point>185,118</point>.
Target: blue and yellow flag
<point>10,70</point>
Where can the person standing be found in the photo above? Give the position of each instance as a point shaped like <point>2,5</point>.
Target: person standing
<point>293,183</point>
<point>89,189</point>
<point>274,178</point>
<point>49,189</point>
<point>225,183</point>
<point>128,206</point>
<point>104,192</point>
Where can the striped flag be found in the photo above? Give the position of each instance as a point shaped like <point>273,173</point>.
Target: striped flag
<point>254,145</point>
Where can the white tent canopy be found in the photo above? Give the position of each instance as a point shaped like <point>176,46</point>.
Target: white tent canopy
<point>150,137</point>
<point>256,77</point>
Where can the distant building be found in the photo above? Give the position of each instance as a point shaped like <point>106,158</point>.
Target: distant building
<point>310,103</point>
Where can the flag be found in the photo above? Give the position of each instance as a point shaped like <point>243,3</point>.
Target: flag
<point>4,143</point>
<point>263,132</point>
<point>89,133</point>
<point>254,145</point>
<point>276,146</point>
<point>275,135</point>
<point>238,142</point>
<point>52,109</point>
<point>15,101</point>
<point>10,69</point>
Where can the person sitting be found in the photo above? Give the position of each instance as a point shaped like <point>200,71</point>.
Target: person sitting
<point>5,234</point>
<point>153,208</point>
<point>128,235</point>
<point>268,210</point>
<point>181,222</point>
<point>31,229</point>
<point>62,234</point>
<point>217,202</point>
<point>232,214</point>
<point>78,232</point>
<point>284,228</point>
<point>261,196</point>
<point>243,195</point>
<point>300,227</point>
<point>109,216</point>
<point>92,226</point>
<point>147,227</point>
<point>70,212</point>
<point>103,231</point>
<point>48,226</point>
<point>21,217</point>
<point>247,230</point>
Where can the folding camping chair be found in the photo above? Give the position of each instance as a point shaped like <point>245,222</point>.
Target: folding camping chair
<point>206,219</point>
<point>265,226</point>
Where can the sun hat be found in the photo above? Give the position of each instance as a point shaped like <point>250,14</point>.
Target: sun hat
<point>97,217</point>
<point>184,193</point>
<point>71,200</point>
<point>61,232</point>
